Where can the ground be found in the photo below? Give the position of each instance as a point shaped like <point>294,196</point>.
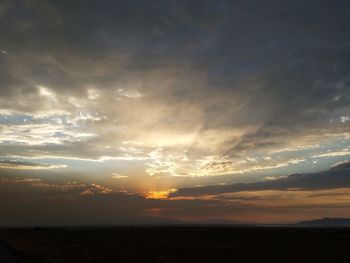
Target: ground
<point>180,244</point>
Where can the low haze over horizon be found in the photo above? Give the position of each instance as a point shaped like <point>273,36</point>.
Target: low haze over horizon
<point>115,112</point>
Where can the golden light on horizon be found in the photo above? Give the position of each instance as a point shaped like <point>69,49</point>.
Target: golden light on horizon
<point>160,194</point>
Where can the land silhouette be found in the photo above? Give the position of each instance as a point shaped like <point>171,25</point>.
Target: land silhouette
<point>181,243</point>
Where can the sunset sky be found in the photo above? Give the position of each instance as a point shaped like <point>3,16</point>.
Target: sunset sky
<point>115,112</point>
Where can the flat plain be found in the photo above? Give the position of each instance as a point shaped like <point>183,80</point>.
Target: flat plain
<point>180,244</point>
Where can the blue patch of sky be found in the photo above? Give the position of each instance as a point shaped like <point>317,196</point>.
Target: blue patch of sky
<point>15,119</point>
<point>26,118</point>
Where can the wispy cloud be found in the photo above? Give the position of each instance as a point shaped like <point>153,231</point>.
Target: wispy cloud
<point>19,165</point>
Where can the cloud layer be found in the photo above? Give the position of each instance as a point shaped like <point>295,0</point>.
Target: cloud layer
<point>147,96</point>
<point>337,177</point>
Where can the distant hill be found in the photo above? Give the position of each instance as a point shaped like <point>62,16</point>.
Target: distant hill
<point>327,221</point>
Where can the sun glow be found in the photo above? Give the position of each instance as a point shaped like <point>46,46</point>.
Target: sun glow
<point>160,194</point>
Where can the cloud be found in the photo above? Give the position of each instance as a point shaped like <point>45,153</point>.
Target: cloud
<point>42,185</point>
<point>341,165</point>
<point>188,87</point>
<point>333,154</point>
<point>118,176</point>
<point>20,165</point>
<point>46,202</point>
<point>40,134</point>
<point>96,189</point>
<point>173,94</point>
<point>19,180</point>
<point>336,177</point>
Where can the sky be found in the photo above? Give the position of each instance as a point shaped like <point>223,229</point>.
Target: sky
<point>119,112</point>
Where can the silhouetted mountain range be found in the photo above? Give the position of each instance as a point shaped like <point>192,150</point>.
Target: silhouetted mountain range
<point>327,221</point>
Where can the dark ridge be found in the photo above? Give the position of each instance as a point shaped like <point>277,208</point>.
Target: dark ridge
<point>327,221</point>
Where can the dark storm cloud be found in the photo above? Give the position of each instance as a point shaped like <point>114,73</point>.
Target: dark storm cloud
<point>226,40</point>
<point>298,52</point>
<point>336,177</point>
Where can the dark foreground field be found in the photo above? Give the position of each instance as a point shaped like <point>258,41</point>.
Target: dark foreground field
<point>180,244</point>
